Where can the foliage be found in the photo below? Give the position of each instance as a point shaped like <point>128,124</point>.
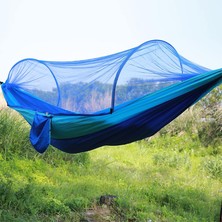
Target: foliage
<point>204,120</point>
<point>210,129</point>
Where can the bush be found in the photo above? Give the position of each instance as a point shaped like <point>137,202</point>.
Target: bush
<point>210,127</point>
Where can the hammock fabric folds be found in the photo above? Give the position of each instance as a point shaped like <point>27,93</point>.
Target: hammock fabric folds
<point>112,100</point>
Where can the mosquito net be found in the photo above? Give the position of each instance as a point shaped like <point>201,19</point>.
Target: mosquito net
<point>97,86</point>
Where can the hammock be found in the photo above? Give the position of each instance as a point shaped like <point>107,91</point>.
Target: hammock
<point>112,100</point>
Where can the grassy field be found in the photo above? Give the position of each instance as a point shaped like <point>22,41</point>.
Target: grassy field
<point>169,177</point>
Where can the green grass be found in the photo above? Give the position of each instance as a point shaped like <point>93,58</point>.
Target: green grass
<point>169,177</point>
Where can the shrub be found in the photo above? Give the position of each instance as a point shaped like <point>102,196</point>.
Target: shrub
<point>210,127</point>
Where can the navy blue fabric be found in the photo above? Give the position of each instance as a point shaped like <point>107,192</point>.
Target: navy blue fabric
<point>139,127</point>
<point>40,132</point>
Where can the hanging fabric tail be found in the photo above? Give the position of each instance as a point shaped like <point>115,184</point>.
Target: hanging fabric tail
<point>40,135</point>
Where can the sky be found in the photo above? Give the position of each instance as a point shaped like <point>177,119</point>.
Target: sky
<point>68,30</point>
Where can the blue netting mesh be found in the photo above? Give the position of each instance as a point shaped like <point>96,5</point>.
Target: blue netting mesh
<point>100,84</point>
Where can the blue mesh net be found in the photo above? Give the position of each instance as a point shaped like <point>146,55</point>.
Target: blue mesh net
<point>99,85</point>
